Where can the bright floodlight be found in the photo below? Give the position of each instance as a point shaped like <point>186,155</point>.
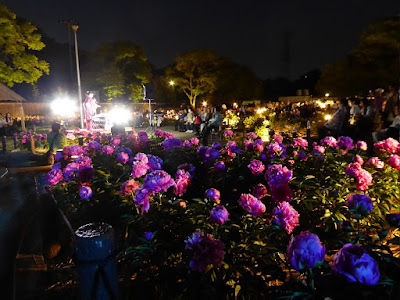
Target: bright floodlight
<point>119,115</point>
<point>171,82</point>
<point>328,117</point>
<point>327,95</point>
<point>204,103</point>
<point>64,107</point>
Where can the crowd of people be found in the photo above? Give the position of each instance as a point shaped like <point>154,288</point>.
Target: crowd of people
<point>201,121</point>
<point>372,119</point>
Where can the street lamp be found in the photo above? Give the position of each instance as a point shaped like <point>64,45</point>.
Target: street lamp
<point>171,82</point>
<point>78,73</point>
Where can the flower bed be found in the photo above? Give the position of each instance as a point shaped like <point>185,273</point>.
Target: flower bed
<point>244,219</point>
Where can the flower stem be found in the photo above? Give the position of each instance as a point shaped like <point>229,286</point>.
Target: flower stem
<point>311,279</point>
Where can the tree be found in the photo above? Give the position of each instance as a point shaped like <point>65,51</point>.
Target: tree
<point>18,39</point>
<point>373,63</point>
<point>124,70</point>
<point>195,73</point>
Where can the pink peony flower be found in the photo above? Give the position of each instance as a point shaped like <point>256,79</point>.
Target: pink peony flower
<point>251,204</point>
<point>278,138</point>
<point>285,216</point>
<point>358,159</point>
<point>256,167</point>
<point>364,180</point>
<point>376,162</point>
<point>259,191</point>
<point>300,142</point>
<point>394,161</point>
<point>128,187</point>
<point>362,145</point>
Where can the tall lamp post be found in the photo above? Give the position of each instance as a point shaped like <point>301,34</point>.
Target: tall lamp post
<point>78,73</point>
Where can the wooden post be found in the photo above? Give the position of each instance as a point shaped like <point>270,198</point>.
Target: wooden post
<point>22,117</point>
<point>33,148</point>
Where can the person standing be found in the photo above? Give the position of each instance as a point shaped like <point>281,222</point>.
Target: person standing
<point>214,123</point>
<point>90,105</point>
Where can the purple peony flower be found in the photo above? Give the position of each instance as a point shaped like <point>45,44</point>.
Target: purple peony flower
<point>108,150</point>
<point>115,141</point>
<point>128,187</point>
<point>213,194</point>
<point>85,174</point>
<point>345,142</point>
<point>59,156</point>
<point>285,216</point>
<point>82,161</point>
<point>207,251</point>
<point>256,167</point>
<point>219,166</point>
<point>376,162</point>
<point>139,169</point>
<point>75,150</point>
<point>85,192</point>
<point>54,177</point>
<point>252,205</point>
<point>148,236</point>
<point>56,166</point>
<point>393,219</point>
<point>69,171</point>
<point>154,163</point>
<point>219,215</point>
<point>93,145</point>
<point>171,143</point>
<point>142,198</point>
<point>359,204</point>
<point>207,154</point>
<point>259,191</point>
<point>362,145</point>
<point>216,146</point>
<point>122,157</point>
<point>394,161</point>
<point>353,264</point>
<point>278,174</point>
<point>189,168</point>
<point>305,250</point>
<point>141,157</point>
<point>143,137</point>
<point>186,144</point>
<point>157,181</point>
<point>300,143</point>
<point>302,156</point>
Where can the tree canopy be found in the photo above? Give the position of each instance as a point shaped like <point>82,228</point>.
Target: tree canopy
<point>18,39</point>
<point>195,73</point>
<point>373,63</point>
<point>124,69</point>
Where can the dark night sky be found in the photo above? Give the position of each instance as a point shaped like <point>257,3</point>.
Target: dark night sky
<point>250,32</point>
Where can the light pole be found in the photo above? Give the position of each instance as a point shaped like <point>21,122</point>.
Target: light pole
<point>78,73</point>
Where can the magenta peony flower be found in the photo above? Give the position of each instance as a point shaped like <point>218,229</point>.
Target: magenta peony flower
<point>182,182</point>
<point>285,216</point>
<point>364,180</point>
<point>122,157</point>
<point>93,145</point>
<point>252,205</point>
<point>108,150</point>
<point>329,141</point>
<point>139,169</point>
<point>300,143</point>
<point>219,215</point>
<point>376,162</point>
<point>280,192</point>
<point>128,187</point>
<point>252,135</point>
<point>353,169</point>
<point>228,133</point>
<point>186,144</point>
<point>69,171</point>
<point>256,167</point>
<point>213,194</point>
<point>358,159</point>
<point>259,191</point>
<point>75,150</point>
<point>353,264</point>
<point>362,145</point>
<point>219,166</point>
<point>305,250</point>
<point>194,141</point>
<point>318,150</point>
<point>115,141</point>
<point>394,161</point>
<point>278,138</point>
<point>54,177</point>
<point>141,157</point>
<point>278,174</point>
<point>85,192</point>
<point>207,251</point>
<point>359,204</point>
